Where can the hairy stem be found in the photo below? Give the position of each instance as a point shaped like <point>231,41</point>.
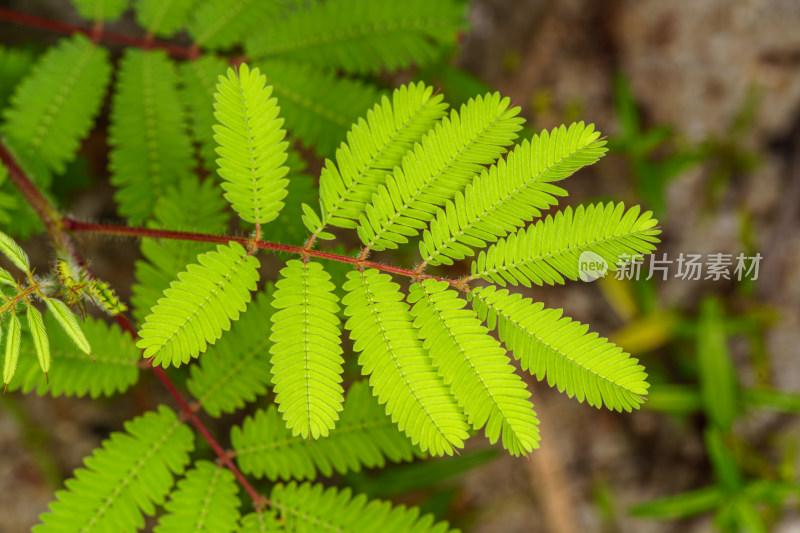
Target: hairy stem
<point>188,412</point>
<point>56,224</point>
<point>108,229</point>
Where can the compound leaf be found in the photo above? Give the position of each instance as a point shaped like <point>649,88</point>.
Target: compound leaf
<point>163,17</point>
<point>363,437</point>
<point>550,345</point>
<point>113,370</point>
<point>551,250</point>
<point>251,143</point>
<point>308,508</point>
<point>55,105</point>
<point>511,193</point>
<point>129,475</point>
<point>402,374</point>
<point>205,501</point>
<point>105,10</point>
<point>220,24</point>
<point>361,37</point>
<point>318,105</point>
<point>236,369</point>
<point>69,322</point>
<point>374,146</point>
<point>475,367</point>
<point>150,146</point>
<point>448,158</point>
<point>199,305</point>
<point>306,355</point>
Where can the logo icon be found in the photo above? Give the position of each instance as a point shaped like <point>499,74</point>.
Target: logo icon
<point>591,266</point>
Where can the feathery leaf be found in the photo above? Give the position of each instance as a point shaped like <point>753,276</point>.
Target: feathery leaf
<point>202,209</point>
<point>13,336</point>
<point>511,193</point>
<point>150,146</point>
<point>205,501</point>
<point>236,369</point>
<point>105,10</point>
<point>318,106</point>
<point>199,305</point>
<point>69,322</point>
<point>550,251</point>
<point>307,508</point>
<point>113,370</point>
<point>39,334</point>
<point>220,24</point>
<point>363,437</point>
<point>374,147</point>
<point>550,345</point>
<point>14,252</point>
<point>401,372</point>
<point>475,367</point>
<point>447,159</point>
<point>163,17</point>
<point>306,355</point>
<point>251,145</point>
<point>55,105</point>
<point>264,521</point>
<point>361,36</point>
<point>128,476</point>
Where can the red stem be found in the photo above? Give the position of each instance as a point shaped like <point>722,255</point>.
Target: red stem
<point>34,21</point>
<point>108,229</point>
<point>258,499</point>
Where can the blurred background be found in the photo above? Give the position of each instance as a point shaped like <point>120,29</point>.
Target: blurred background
<point>700,102</point>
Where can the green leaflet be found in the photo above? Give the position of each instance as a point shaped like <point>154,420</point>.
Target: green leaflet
<point>374,147</point>
<point>199,306</point>
<point>311,508</point>
<point>55,105</point>
<point>583,364</point>
<point>318,105</point>
<point>13,335</point>
<point>448,158</point>
<point>236,369</point>
<point>105,10</point>
<point>511,193</point>
<point>113,370</point>
<point>69,322</point>
<point>129,475</point>
<point>368,36</point>
<point>551,250</point>
<point>15,253</point>
<point>203,210</point>
<point>6,278</point>
<point>163,17</point>
<point>364,437</point>
<point>220,24</point>
<point>205,501</point>
<point>475,367</point>
<point>306,357</point>
<point>251,145</point>
<point>39,334</point>
<point>401,371</point>
<point>150,145</point>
